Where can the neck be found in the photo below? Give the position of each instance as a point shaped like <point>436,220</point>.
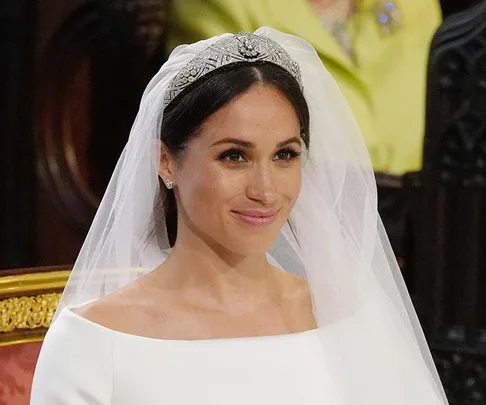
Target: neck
<point>216,277</point>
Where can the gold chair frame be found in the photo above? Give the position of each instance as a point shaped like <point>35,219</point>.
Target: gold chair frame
<point>28,300</point>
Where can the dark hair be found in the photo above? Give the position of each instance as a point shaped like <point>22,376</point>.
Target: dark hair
<point>186,114</point>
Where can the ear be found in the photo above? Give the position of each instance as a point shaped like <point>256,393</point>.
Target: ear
<point>167,165</point>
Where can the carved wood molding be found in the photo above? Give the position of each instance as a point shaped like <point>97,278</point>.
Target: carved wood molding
<point>88,83</point>
<point>455,141</point>
<point>463,374</point>
<point>447,208</point>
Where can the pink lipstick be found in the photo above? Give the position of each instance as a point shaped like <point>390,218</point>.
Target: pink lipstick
<point>256,218</point>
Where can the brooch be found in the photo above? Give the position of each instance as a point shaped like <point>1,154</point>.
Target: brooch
<point>387,15</point>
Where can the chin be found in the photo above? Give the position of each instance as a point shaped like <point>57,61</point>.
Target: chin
<point>249,250</point>
<point>249,240</point>
<point>250,244</point>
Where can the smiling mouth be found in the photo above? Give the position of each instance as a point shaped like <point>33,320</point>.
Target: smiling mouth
<point>256,218</point>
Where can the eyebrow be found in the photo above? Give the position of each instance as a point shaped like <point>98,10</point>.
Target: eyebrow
<point>251,145</point>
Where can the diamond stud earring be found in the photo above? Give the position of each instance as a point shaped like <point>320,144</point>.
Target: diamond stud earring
<point>168,184</point>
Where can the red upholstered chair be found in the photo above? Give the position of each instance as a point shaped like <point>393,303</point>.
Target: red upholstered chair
<point>28,299</point>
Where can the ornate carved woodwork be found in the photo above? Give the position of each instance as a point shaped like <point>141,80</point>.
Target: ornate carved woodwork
<point>91,74</point>
<point>446,206</point>
<point>93,60</point>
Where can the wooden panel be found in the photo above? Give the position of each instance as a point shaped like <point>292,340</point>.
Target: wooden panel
<point>450,7</point>
<point>448,208</point>
<point>16,141</point>
<point>93,60</point>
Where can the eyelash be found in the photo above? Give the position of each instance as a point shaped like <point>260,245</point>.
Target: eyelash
<point>226,155</point>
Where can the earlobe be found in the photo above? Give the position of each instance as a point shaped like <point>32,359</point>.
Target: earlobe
<point>165,168</point>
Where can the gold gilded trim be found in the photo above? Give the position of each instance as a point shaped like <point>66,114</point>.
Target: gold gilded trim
<point>30,284</point>
<point>20,340</point>
<point>28,312</point>
<point>27,305</point>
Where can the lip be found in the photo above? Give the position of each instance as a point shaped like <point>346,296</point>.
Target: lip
<point>256,218</point>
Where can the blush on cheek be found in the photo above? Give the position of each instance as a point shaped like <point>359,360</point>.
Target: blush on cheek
<point>225,183</point>
<point>206,190</point>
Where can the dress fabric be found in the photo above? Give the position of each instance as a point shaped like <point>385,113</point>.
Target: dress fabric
<point>84,363</point>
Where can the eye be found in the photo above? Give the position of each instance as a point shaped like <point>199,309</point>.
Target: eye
<point>233,156</point>
<point>287,154</point>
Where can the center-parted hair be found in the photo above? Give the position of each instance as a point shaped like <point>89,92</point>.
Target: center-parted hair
<point>184,117</point>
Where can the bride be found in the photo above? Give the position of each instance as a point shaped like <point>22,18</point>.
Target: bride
<point>237,256</point>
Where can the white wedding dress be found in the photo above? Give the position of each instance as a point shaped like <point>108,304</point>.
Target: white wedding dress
<point>369,348</point>
<point>83,363</point>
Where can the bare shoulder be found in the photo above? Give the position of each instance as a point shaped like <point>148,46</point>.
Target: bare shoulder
<point>122,311</point>
<point>110,312</point>
<point>302,292</point>
<point>294,286</point>
<point>297,301</point>
<point>140,309</point>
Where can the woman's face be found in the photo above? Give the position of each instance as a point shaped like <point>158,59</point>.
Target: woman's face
<point>238,179</point>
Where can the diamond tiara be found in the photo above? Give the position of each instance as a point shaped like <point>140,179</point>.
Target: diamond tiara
<point>240,48</point>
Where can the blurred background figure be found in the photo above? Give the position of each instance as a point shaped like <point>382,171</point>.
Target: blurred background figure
<point>376,49</point>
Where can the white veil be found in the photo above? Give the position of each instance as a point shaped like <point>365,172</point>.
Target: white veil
<point>373,348</point>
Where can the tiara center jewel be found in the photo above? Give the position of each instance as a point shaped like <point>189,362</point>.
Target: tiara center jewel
<point>248,47</point>
<point>231,49</point>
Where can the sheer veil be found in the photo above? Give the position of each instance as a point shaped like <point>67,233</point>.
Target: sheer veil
<point>373,349</point>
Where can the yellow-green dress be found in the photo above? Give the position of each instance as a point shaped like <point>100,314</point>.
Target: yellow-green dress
<point>384,81</point>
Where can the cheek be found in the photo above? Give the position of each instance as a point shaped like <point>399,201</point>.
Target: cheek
<point>292,184</point>
<point>208,189</point>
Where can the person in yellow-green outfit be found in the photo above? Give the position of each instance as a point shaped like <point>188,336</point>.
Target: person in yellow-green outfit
<point>376,50</point>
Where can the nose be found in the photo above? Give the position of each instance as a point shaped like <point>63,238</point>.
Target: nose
<point>261,185</point>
